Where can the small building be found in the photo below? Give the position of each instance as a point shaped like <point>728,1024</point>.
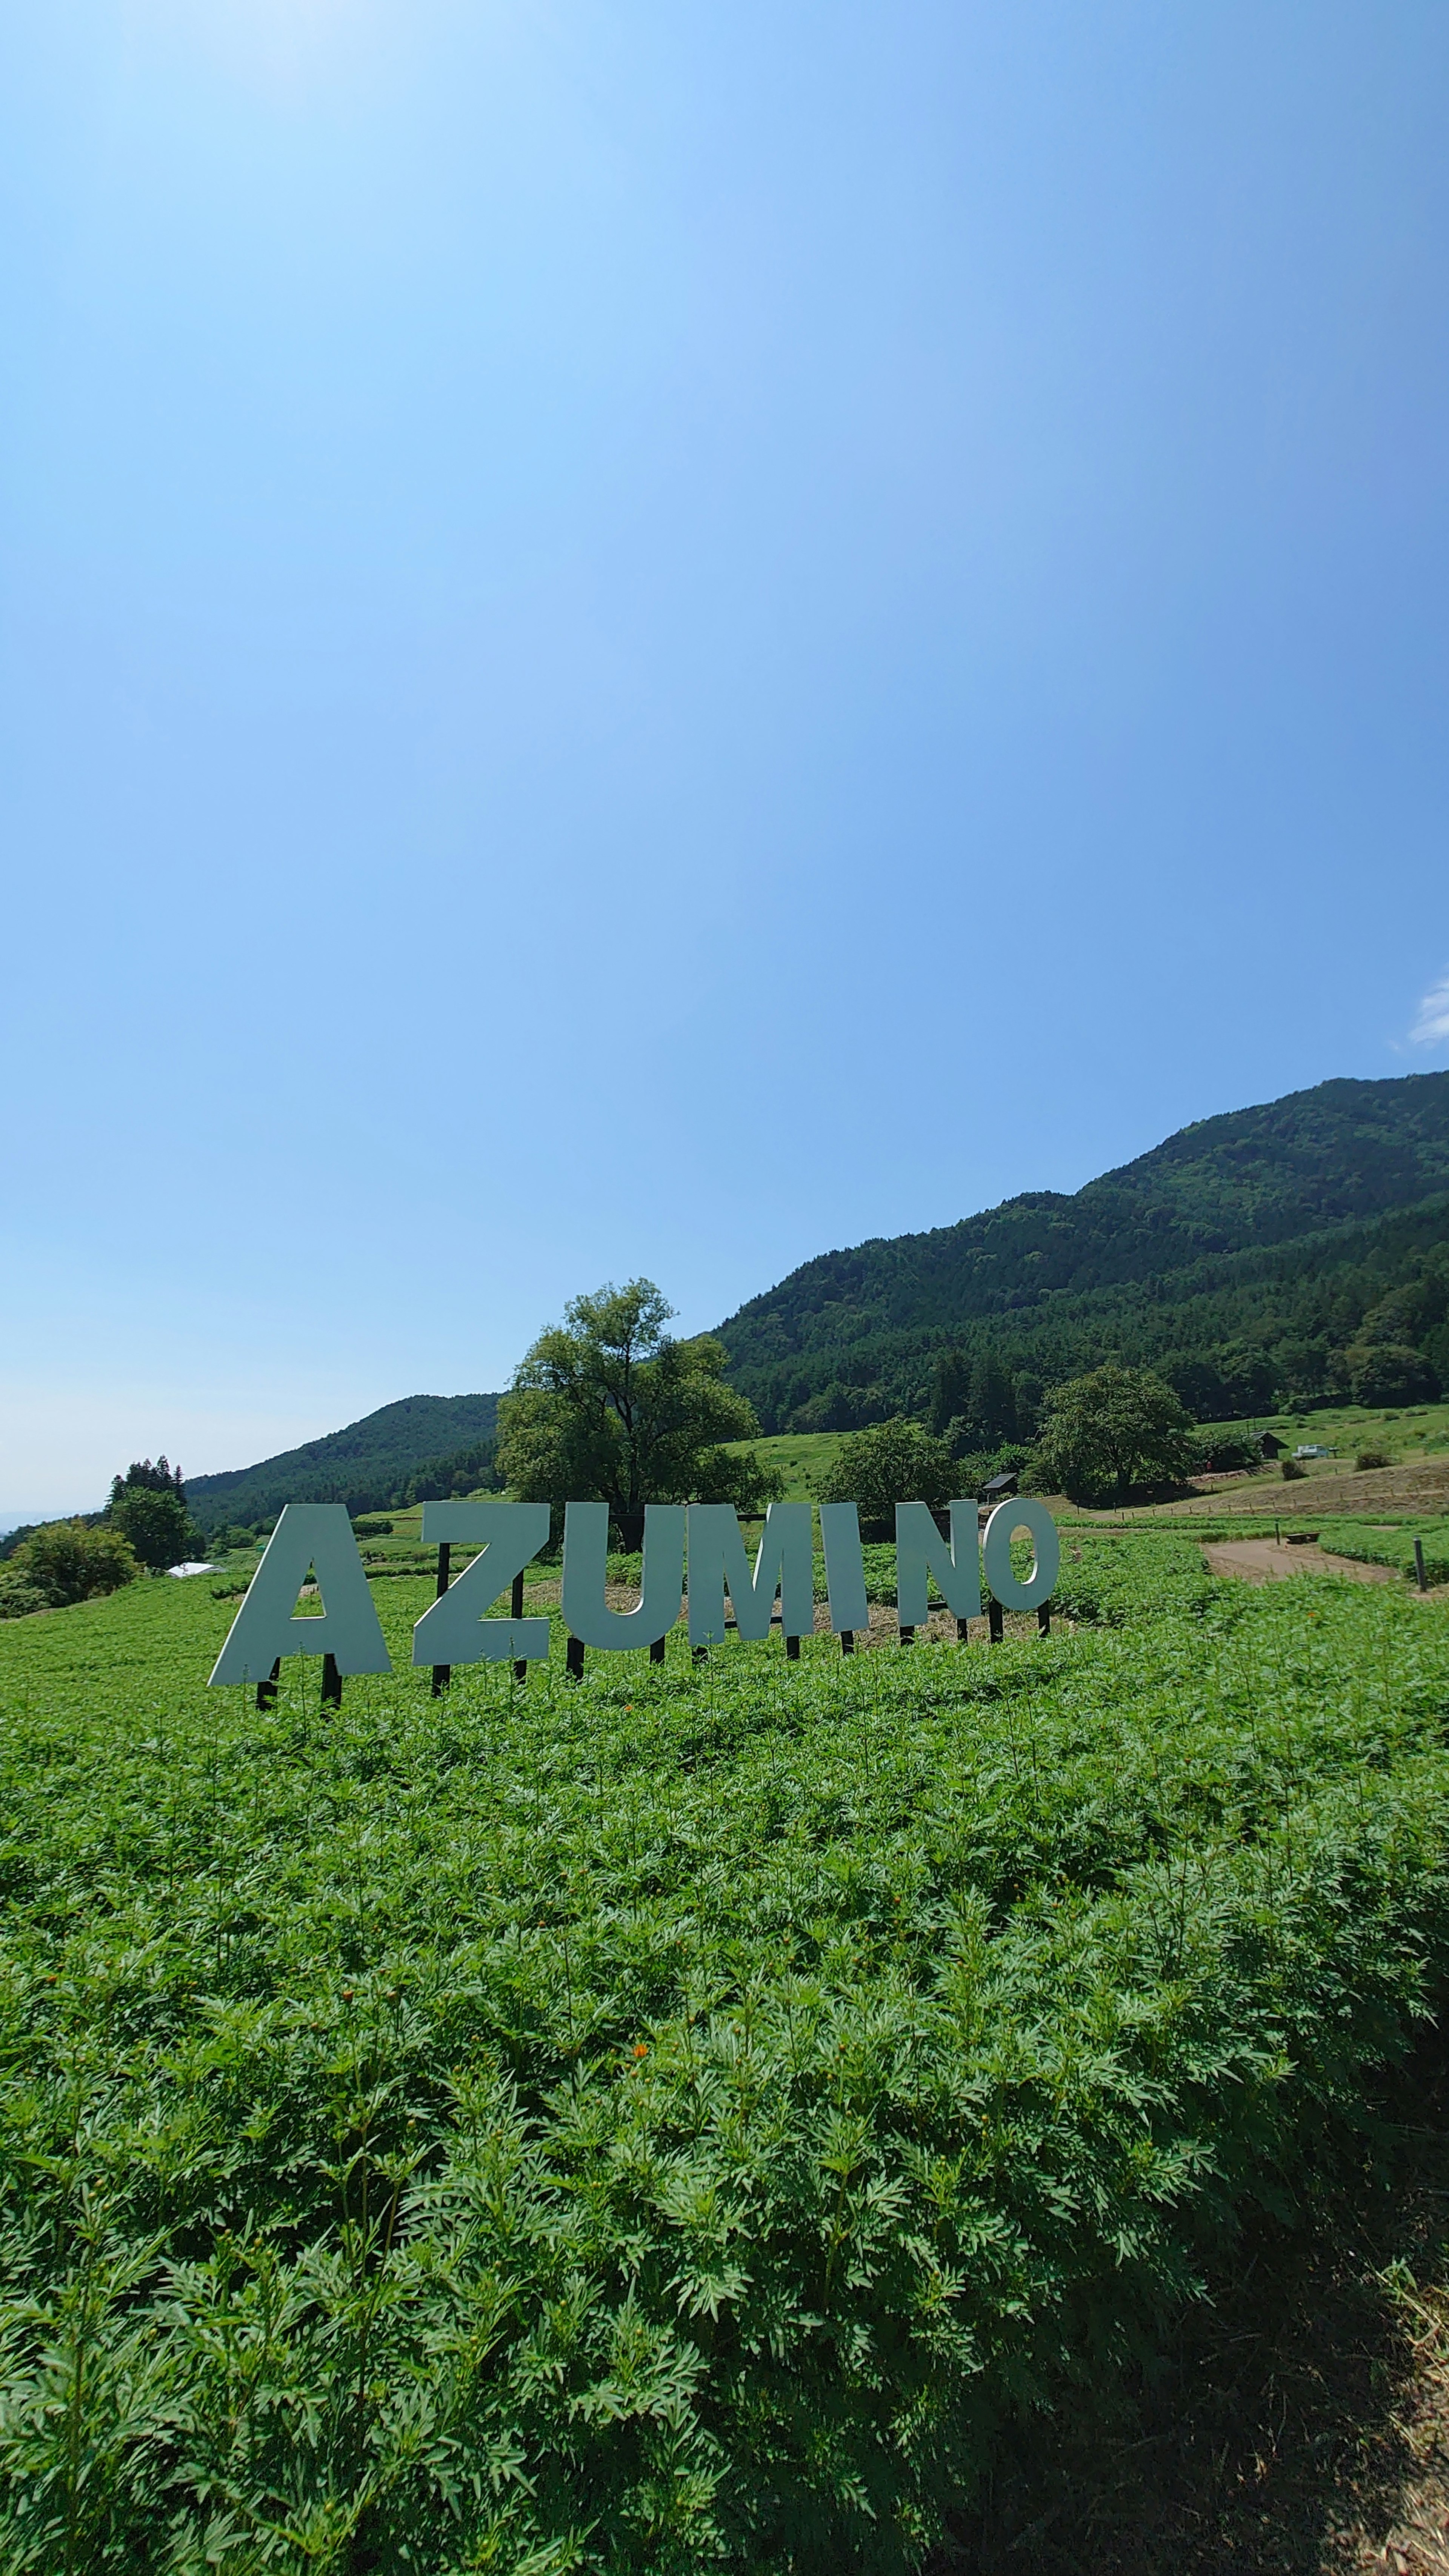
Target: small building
<point>1271,1445</point>
<point>998,1489</point>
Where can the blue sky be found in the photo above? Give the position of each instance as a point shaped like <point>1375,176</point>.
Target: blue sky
<point>654,638</point>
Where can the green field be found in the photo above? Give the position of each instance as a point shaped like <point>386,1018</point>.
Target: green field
<point>673,2121</point>
<point>1405,1432</point>
<point>802,1458</point>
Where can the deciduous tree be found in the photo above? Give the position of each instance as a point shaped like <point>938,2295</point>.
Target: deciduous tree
<point>1110,1430</point>
<point>608,1407</point>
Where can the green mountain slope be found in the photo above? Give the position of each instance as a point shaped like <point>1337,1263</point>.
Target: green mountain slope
<point>391,1456</point>
<point>1132,1263</point>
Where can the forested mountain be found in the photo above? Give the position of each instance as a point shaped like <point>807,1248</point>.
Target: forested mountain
<point>406,1452</point>
<point>1248,1256</point>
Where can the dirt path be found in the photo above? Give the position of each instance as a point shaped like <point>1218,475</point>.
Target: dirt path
<point>1267,1560</point>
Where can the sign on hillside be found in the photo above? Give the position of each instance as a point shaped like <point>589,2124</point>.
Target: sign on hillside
<point>690,1549</point>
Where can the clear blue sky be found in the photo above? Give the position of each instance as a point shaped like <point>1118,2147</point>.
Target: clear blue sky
<point>656,637</point>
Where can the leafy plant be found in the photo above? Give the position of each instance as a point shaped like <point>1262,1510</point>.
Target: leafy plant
<point>666,2123</point>
<point>67,1561</point>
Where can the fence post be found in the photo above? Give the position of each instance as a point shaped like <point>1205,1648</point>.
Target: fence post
<point>1419,1566</point>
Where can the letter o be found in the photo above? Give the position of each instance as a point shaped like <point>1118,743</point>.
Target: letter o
<point>996,1554</point>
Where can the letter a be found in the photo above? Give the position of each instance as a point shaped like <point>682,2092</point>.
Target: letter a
<point>320,1535</point>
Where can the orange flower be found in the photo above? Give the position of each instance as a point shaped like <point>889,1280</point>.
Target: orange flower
<point>641,2048</point>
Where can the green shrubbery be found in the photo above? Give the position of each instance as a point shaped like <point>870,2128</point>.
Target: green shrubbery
<point>64,1562</point>
<point>666,2123</point>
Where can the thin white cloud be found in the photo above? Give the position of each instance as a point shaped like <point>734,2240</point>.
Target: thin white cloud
<point>1431,1028</point>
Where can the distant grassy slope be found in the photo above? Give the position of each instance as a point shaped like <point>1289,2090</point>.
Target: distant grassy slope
<point>1065,1280</point>
<point>803,1459</point>
<point>362,1466</point>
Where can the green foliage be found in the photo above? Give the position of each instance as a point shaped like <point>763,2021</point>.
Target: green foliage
<point>1291,1471</point>
<point>1219,1452</point>
<point>1110,1431</point>
<point>1387,1373</point>
<point>157,1524</point>
<point>371,1529</point>
<point>1373,1458</point>
<point>893,1462</point>
<point>64,1562</point>
<point>608,1407</point>
<point>663,2125</point>
<point>141,1477</point>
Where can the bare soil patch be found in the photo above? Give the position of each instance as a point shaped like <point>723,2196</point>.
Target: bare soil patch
<point>1267,1560</point>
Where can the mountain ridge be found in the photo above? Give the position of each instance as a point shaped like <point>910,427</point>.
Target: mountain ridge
<point>1241,1256</point>
<point>812,1352</point>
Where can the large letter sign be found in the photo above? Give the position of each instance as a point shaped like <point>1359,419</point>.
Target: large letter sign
<point>996,1554</point>
<point>586,1565</point>
<point>455,1630</point>
<point>308,1535</point>
<point>921,1552</point>
<point>784,1563</point>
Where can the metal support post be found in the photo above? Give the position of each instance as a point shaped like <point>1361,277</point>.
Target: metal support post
<point>443,1673</point>
<point>515,1611</point>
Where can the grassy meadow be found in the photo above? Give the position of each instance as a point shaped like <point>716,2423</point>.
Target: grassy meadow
<point>678,2120</point>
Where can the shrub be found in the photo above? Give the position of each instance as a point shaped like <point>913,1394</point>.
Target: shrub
<point>69,1561</point>
<point>1223,1452</point>
<point>892,1462</point>
<point>1373,1458</point>
<point>1291,1471</point>
<point>17,1597</point>
<point>372,1529</point>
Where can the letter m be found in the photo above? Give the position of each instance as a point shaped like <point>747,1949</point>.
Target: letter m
<point>717,1562</point>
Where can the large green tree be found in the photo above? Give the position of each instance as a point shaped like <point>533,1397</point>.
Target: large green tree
<point>1111,1430</point>
<point>608,1407</point>
<point>148,1504</point>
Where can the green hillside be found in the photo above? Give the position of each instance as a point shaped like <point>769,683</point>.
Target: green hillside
<point>1244,1255</point>
<point>391,1456</point>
